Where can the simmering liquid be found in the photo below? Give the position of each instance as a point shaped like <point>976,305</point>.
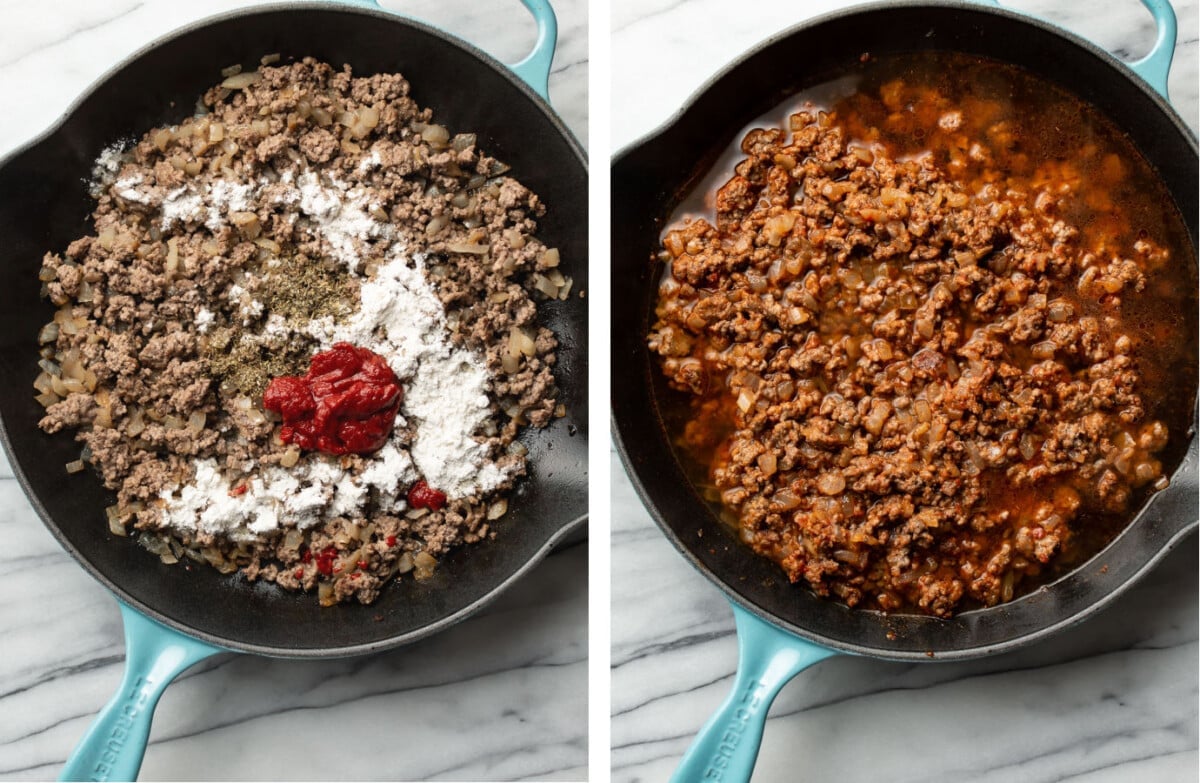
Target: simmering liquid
<point>934,325</point>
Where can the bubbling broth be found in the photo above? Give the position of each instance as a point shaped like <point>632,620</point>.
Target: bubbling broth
<point>933,329</point>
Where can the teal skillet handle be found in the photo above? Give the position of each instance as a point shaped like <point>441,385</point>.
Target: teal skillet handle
<point>727,747</point>
<point>534,69</point>
<point>155,655</point>
<point>1155,66</point>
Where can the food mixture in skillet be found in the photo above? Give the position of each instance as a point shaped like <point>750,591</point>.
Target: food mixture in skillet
<point>303,338</point>
<point>938,340</point>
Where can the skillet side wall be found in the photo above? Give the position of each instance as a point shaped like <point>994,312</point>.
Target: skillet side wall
<point>44,205</point>
<point>650,177</point>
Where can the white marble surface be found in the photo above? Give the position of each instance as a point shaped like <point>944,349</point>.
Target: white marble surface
<point>1112,701</point>
<point>502,696</point>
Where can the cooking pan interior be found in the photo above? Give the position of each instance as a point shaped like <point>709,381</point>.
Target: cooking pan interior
<point>649,179</point>
<point>44,205</point>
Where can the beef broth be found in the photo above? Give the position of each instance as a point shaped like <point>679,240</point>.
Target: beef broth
<point>936,337</point>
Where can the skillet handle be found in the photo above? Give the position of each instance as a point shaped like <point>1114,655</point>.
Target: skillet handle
<point>726,749</point>
<point>114,746</point>
<point>1155,66</point>
<point>534,68</point>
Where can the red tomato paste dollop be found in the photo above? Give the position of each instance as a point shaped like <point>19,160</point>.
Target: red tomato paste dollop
<point>424,496</point>
<point>345,404</point>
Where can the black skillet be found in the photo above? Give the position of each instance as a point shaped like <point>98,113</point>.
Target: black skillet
<point>783,629</point>
<point>175,617</point>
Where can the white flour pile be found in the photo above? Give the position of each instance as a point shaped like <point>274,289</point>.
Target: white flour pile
<point>401,318</point>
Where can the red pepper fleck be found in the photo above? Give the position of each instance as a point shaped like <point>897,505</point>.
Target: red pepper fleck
<point>363,564</point>
<point>300,573</point>
<point>345,404</point>
<point>424,496</point>
<point>325,560</point>
<point>391,540</point>
<point>240,489</point>
<point>356,575</point>
<point>306,555</point>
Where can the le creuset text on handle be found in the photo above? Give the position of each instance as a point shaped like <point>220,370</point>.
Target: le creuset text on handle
<point>726,748</point>
<point>155,655</point>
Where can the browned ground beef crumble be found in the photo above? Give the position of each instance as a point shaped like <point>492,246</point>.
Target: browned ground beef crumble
<point>147,392</point>
<point>911,376</point>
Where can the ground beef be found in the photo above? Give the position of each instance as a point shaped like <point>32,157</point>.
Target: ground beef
<point>915,378</point>
<point>146,358</point>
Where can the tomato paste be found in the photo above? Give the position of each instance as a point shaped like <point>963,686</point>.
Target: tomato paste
<point>345,404</point>
<point>424,496</point>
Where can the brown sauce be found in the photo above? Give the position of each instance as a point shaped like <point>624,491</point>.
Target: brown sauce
<point>935,333</point>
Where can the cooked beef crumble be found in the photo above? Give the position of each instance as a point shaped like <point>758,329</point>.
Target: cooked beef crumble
<point>917,379</point>
<point>159,352</point>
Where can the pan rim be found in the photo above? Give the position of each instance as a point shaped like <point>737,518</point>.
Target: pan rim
<point>895,5</point>
<point>1189,458</point>
<point>299,5</point>
<point>563,530</point>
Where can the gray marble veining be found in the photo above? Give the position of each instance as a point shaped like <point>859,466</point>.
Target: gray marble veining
<point>502,696</point>
<point>1111,701</point>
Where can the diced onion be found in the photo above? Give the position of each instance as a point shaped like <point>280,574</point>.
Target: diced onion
<point>436,136</point>
<point>103,418</point>
<point>424,563</point>
<point>767,463</point>
<point>543,284</point>
<point>136,424</point>
<point>831,483</point>
<point>115,526</point>
<point>240,81</point>
<point>520,343</point>
<point>469,248</point>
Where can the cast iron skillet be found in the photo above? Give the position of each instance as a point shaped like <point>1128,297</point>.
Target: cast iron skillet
<point>783,628</point>
<point>179,616</point>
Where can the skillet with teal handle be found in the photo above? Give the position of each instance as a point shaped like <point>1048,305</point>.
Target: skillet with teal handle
<point>176,617</point>
<point>781,628</point>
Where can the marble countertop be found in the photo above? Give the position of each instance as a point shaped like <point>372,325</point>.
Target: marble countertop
<point>1111,701</point>
<point>502,696</point>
